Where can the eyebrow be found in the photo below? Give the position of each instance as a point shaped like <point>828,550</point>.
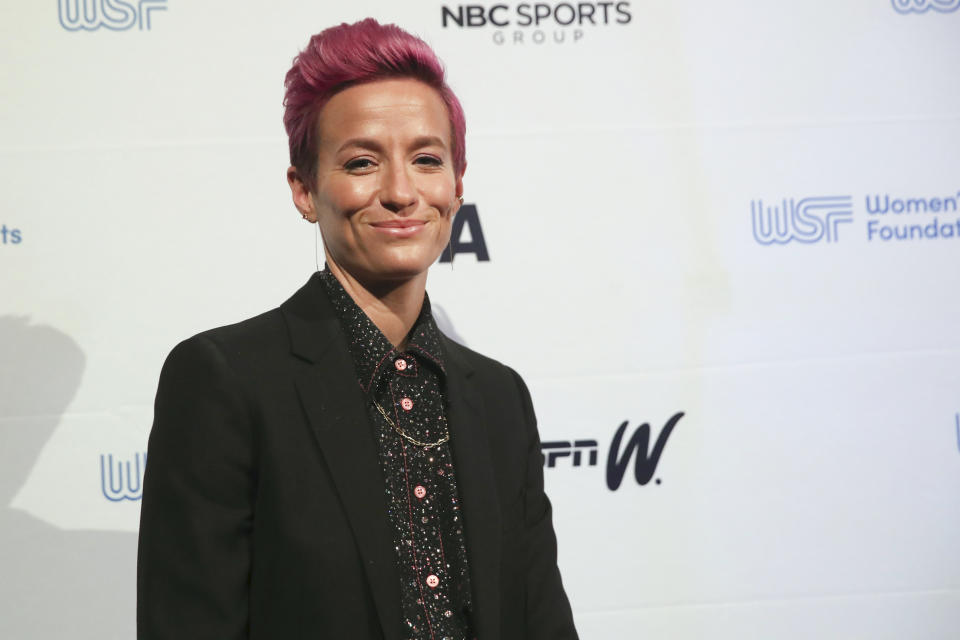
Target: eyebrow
<point>370,143</point>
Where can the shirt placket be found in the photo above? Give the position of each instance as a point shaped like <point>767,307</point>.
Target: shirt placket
<point>412,398</point>
<point>417,486</point>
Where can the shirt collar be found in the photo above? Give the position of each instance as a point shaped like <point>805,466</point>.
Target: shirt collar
<point>368,347</point>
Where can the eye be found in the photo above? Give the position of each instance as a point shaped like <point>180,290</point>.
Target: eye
<point>430,161</point>
<point>358,164</point>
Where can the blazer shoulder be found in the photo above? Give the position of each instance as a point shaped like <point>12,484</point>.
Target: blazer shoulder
<point>263,326</point>
<point>244,342</point>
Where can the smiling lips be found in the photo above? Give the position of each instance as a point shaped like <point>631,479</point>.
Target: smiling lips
<point>399,228</point>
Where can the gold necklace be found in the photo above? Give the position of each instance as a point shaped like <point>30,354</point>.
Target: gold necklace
<point>425,445</point>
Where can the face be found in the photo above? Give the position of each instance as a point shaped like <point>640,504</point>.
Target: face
<point>385,186</point>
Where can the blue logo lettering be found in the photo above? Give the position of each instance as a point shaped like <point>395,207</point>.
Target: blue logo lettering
<point>957,418</point>
<point>807,220</point>
<point>10,236</point>
<point>122,480</point>
<point>882,205</point>
<point>116,15</point>
<point>922,6</point>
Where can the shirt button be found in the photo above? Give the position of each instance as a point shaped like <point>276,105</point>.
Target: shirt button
<point>400,364</point>
<point>407,404</point>
<point>420,491</point>
<point>432,581</point>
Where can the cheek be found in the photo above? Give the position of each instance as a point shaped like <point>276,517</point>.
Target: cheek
<point>439,192</point>
<point>344,196</point>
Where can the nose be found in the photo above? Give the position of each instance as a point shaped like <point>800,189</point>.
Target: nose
<point>397,191</point>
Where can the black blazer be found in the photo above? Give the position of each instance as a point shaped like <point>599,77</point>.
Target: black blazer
<point>264,514</point>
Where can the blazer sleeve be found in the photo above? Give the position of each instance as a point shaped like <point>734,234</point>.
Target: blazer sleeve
<point>193,562</point>
<point>548,614</point>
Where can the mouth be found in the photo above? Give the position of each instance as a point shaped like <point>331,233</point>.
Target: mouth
<point>400,228</point>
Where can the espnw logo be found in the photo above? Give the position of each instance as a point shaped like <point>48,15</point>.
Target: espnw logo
<point>807,220</point>
<point>922,6</point>
<point>116,15</point>
<point>637,448</point>
<point>123,479</point>
<point>563,448</point>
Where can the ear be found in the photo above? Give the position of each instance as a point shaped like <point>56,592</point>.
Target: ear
<point>302,199</point>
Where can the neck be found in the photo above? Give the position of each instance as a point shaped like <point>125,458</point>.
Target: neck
<point>392,306</point>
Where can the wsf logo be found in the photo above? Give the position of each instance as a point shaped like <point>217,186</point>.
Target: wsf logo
<point>467,220</point>
<point>116,15</point>
<point>922,6</point>
<point>807,220</point>
<point>122,479</point>
<point>637,448</point>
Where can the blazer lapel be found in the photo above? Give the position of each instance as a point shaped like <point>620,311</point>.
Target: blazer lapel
<point>335,407</point>
<point>478,494</point>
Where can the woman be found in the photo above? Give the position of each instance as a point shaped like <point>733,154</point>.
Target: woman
<point>336,467</point>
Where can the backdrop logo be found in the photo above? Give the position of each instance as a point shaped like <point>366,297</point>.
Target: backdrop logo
<point>912,218</point>
<point>637,448</point>
<point>466,222</point>
<point>122,479</point>
<point>9,235</point>
<point>956,419</point>
<point>808,220</point>
<point>889,218</point>
<point>116,15</point>
<point>922,6</point>
<point>536,22</point>
<point>564,448</point>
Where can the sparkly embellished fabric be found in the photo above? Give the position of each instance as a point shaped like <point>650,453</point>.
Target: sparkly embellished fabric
<point>420,483</point>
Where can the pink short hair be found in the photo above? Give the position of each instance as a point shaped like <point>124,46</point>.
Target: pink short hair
<point>350,54</point>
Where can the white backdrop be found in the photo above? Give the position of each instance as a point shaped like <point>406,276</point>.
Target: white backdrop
<point>688,207</point>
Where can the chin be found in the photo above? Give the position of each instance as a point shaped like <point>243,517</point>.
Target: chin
<point>402,267</point>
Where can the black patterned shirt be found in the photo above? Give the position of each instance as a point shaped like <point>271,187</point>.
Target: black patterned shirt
<point>405,393</point>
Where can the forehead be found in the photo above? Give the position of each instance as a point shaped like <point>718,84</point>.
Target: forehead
<point>396,107</point>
